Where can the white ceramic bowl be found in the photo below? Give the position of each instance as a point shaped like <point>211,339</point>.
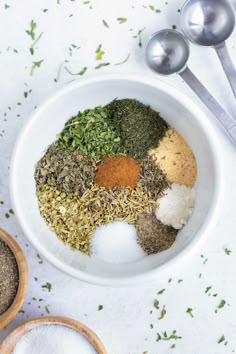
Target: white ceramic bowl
<point>48,120</point>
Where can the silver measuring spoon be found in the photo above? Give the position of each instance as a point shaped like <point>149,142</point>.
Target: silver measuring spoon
<point>167,53</point>
<point>210,23</point>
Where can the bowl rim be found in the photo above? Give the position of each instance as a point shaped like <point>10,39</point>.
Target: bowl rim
<point>218,162</point>
<point>12,311</point>
<point>15,336</point>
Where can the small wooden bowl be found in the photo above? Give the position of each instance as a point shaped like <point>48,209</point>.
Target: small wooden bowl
<point>14,337</point>
<point>8,316</point>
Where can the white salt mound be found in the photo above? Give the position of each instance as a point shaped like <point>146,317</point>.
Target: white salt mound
<point>53,339</point>
<point>176,206</point>
<point>116,243</point>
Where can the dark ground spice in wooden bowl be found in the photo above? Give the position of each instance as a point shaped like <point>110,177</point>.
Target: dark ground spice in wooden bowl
<point>9,277</point>
<point>152,235</point>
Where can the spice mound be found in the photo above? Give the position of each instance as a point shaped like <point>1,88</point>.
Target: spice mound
<point>175,158</point>
<point>9,277</point>
<point>139,127</point>
<point>117,183</point>
<point>116,243</point>
<point>51,339</point>
<point>117,172</point>
<point>153,236</point>
<point>175,206</point>
<point>69,172</point>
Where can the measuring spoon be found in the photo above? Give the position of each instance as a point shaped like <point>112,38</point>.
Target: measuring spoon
<point>210,23</point>
<point>167,53</point>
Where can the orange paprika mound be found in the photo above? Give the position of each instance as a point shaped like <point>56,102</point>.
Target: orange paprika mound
<point>117,172</point>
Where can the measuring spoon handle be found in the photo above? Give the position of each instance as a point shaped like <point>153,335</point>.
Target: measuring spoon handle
<point>226,121</point>
<point>227,64</point>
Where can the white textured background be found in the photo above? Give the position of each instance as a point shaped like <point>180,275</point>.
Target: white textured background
<point>124,322</point>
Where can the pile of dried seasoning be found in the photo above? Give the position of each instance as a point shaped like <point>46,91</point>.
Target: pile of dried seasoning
<point>152,179</point>
<point>9,277</point>
<point>152,235</point>
<point>90,133</point>
<point>75,219</point>
<point>139,127</point>
<point>175,158</point>
<point>117,172</point>
<point>69,172</point>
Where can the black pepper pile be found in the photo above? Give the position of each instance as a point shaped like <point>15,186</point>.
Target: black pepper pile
<point>9,277</point>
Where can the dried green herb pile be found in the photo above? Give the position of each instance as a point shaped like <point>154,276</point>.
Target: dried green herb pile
<point>89,132</point>
<point>68,172</point>
<point>74,219</point>
<point>99,171</point>
<point>139,127</point>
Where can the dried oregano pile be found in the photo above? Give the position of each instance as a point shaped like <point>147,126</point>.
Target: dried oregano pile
<point>103,170</point>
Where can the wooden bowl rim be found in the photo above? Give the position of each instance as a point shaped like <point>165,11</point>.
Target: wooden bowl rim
<point>13,338</point>
<point>12,311</point>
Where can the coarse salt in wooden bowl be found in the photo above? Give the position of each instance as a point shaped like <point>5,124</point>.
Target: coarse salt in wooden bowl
<point>14,337</point>
<point>12,311</point>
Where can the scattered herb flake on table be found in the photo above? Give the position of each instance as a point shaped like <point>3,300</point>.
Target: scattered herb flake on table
<point>36,64</point>
<point>163,313</point>
<point>47,286</point>
<point>164,336</point>
<point>152,7</point>
<point>190,311</point>
<point>31,31</point>
<point>121,20</point>
<point>105,23</point>
<point>99,66</point>
<point>100,307</point>
<point>99,52</point>
<point>227,251</point>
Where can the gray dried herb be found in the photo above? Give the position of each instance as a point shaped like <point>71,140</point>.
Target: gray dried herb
<point>152,235</point>
<point>69,172</point>
<point>152,178</point>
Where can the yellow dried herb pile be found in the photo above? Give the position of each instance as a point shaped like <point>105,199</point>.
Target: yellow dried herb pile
<point>74,219</point>
<point>175,158</point>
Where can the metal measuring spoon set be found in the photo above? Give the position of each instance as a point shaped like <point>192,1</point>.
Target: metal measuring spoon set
<point>206,23</point>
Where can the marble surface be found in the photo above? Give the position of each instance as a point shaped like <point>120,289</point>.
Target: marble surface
<point>72,31</point>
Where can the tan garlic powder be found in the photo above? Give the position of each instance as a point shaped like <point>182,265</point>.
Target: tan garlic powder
<point>175,158</point>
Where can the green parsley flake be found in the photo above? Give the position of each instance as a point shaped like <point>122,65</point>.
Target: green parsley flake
<point>121,20</point>
<point>36,64</point>
<point>100,307</point>
<point>151,7</point>
<point>166,337</point>
<point>160,292</point>
<point>80,73</point>
<point>105,23</point>
<point>163,313</point>
<point>99,66</point>
<point>156,304</point>
<point>190,311</point>
<point>31,32</point>
<point>47,286</point>
<point>221,304</point>
<point>99,52</point>
<point>227,251</point>
<point>221,339</point>
<point>207,289</point>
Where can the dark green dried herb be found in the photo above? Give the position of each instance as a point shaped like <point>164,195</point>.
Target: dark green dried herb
<point>69,172</point>
<point>152,235</point>
<point>139,127</point>
<point>89,132</point>
<point>152,178</point>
